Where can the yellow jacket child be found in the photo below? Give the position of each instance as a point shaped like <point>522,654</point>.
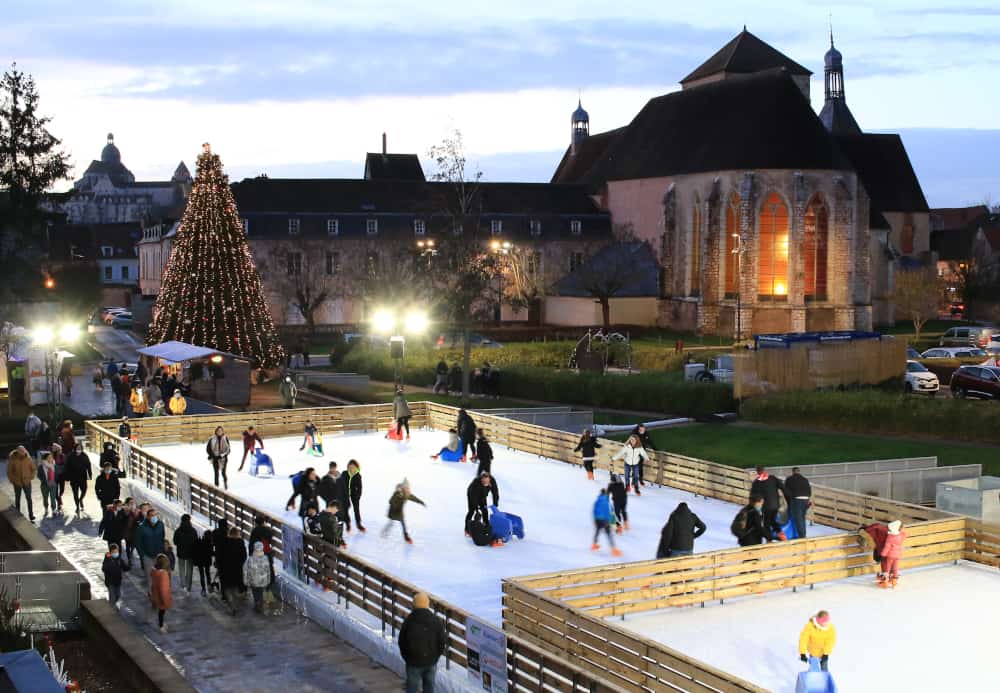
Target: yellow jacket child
<point>817,638</point>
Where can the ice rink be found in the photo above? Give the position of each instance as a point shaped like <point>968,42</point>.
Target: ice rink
<point>935,632</point>
<point>554,498</point>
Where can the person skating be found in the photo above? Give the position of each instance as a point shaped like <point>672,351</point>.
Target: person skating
<point>251,439</point>
<point>422,641</point>
<point>107,486</point>
<point>454,443</point>
<point>307,490</point>
<point>466,427</point>
<point>604,517</point>
<point>330,525</point>
<point>217,449</point>
<point>257,575</point>
<point>114,568</point>
<point>20,473</point>
<point>483,453</point>
<point>768,487</point>
<point>891,553</point>
<point>202,554</point>
<point>397,502</point>
<point>619,502</point>
<point>481,488</point>
<point>310,523</point>
<point>817,639</point>
<point>150,537</point>
<point>328,486</point>
<point>798,494</point>
<point>587,447</point>
<point>401,413</point>
<point>47,481</point>
<point>678,534</point>
<point>349,489</point>
<point>185,538</point>
<point>288,392</point>
<point>748,525</point>
<point>632,455</point>
<point>230,557</point>
<point>78,472</point>
<point>647,444</point>
<point>160,595</point>
<point>312,441</point>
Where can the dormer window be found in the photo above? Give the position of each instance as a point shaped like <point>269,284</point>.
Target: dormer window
<point>419,227</point>
<point>371,227</point>
<point>535,227</point>
<point>575,227</point>
<point>107,251</point>
<point>496,227</point>
<point>333,227</point>
<point>293,227</point>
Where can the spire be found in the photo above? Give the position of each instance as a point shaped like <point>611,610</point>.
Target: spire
<point>836,116</point>
<point>579,126</point>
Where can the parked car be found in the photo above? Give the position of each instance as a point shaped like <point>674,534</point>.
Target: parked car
<point>967,336</point>
<point>994,342</point>
<point>953,353</point>
<point>956,309</point>
<point>718,370</point>
<point>976,381</point>
<point>912,353</point>
<point>111,313</point>
<point>920,380</point>
<point>122,321</point>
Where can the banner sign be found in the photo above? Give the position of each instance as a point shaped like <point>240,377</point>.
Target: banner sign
<point>487,653</point>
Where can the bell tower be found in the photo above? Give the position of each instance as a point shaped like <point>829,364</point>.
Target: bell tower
<point>579,127</point>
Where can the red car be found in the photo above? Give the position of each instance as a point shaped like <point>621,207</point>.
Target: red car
<point>976,381</point>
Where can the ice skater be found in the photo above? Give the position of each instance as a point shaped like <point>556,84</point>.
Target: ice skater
<point>312,439</point>
<point>453,444</point>
<point>604,517</point>
<point>484,453</point>
<point>401,413</point>
<point>892,551</point>
<point>396,504</point>
<point>619,501</point>
<point>678,535</point>
<point>632,454</point>
<point>817,639</point>
<point>251,439</point>
<point>587,447</point>
<point>479,490</point>
<point>466,432</point>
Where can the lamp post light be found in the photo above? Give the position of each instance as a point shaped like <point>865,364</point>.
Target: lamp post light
<point>385,322</point>
<point>50,341</point>
<point>500,248</point>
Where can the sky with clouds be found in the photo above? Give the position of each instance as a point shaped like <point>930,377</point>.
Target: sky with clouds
<point>306,87</point>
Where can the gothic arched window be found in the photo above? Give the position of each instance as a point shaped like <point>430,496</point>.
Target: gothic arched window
<point>772,276</point>
<point>815,242</point>
<point>732,244</point>
<point>696,248</point>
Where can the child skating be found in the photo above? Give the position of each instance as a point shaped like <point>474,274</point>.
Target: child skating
<point>587,447</point>
<point>396,503</point>
<point>604,517</point>
<point>892,551</point>
<point>619,500</point>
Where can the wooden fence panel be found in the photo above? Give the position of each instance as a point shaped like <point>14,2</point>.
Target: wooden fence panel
<point>982,543</point>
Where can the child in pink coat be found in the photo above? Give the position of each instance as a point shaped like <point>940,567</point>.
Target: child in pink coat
<point>892,551</point>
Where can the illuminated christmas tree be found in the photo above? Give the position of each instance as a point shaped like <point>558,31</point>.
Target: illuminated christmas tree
<point>211,293</point>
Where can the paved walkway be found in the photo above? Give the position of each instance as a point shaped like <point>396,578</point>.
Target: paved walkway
<point>217,652</point>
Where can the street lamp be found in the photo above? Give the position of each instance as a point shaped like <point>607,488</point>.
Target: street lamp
<point>386,321</point>
<point>50,341</point>
<point>500,248</point>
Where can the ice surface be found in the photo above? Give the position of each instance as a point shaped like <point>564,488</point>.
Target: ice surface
<point>935,632</point>
<point>554,498</point>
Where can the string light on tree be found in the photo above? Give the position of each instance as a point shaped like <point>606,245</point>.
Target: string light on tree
<point>211,292</point>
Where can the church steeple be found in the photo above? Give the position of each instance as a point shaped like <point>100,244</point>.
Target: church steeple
<point>836,116</point>
<point>579,127</point>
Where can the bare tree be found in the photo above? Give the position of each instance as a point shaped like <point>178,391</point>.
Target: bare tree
<point>304,279</point>
<point>918,294</point>
<point>610,271</point>
<point>523,276</point>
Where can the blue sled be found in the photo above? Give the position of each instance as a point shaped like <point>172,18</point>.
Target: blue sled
<point>449,456</point>
<point>789,529</point>
<point>815,680</point>
<point>505,526</point>
<point>260,462</point>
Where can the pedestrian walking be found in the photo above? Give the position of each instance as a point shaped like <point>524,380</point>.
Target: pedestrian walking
<point>768,487</point>
<point>78,472</point>
<point>262,533</point>
<point>441,378</point>
<point>138,401</point>
<point>98,379</point>
<point>112,527</point>
<point>251,439</point>
<point>185,538</point>
<point>20,473</point>
<point>66,437</point>
<point>798,494</point>
<point>110,456</point>
<point>59,460</point>
<point>47,481</point>
<point>133,516</point>
<point>422,641</point>
<point>150,538</point>
<point>257,575</point>
<point>632,455</point>
<point>114,568</point>
<point>288,392</point>
<point>160,595</point>
<point>230,557</point>
<point>217,448</point>
<point>817,639</point>
<point>678,535</point>
<point>124,429</point>
<point>604,517</point>
<point>202,555</point>
<point>107,486</point>
<point>587,447</point>
<point>32,430</point>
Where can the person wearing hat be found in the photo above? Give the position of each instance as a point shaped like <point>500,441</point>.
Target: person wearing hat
<point>178,405</point>
<point>422,641</point>
<point>288,392</point>
<point>401,413</point>
<point>817,639</point>
<point>892,551</point>
<point>257,575</point>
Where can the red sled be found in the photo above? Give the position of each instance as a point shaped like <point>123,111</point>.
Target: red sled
<point>394,434</point>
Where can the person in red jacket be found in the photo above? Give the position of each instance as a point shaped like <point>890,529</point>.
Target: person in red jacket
<point>250,439</point>
<point>892,551</point>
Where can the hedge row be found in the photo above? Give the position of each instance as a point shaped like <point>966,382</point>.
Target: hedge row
<point>876,411</point>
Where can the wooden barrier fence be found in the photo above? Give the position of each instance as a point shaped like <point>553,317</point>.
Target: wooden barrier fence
<point>982,542</point>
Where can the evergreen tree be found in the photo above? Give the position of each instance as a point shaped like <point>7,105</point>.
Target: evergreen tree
<point>211,292</point>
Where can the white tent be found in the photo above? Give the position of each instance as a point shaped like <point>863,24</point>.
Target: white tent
<point>179,352</point>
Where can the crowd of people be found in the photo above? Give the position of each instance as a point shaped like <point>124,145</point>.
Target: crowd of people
<point>138,393</point>
<point>483,381</point>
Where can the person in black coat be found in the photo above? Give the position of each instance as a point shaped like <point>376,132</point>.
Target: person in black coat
<point>78,471</point>
<point>308,492</point>
<point>422,641</point>
<point>798,494</point>
<point>466,428</point>
<point>483,453</point>
<point>107,486</point>
<point>327,488</point>
<point>112,527</point>
<point>185,537</point>
<point>229,559</point>
<point>114,567</point>
<point>262,533</point>
<point>202,554</point>
<point>750,532</point>
<point>481,488</point>
<point>769,488</point>
<point>619,501</point>
<point>349,489</point>
<point>587,447</point>
<point>647,444</point>
<point>678,535</point>
<point>110,456</point>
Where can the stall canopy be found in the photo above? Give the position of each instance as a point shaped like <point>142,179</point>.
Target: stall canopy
<point>178,352</point>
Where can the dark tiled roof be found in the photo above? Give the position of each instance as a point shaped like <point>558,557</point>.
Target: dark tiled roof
<point>760,121</point>
<point>580,167</point>
<point>745,54</point>
<point>633,263</point>
<point>956,217</point>
<point>86,240</point>
<point>884,167</point>
<point>838,119</point>
<point>116,171</point>
<point>876,220</point>
<point>393,167</point>
<point>953,244</point>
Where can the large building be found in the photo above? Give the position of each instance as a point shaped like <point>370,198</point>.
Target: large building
<point>753,202</point>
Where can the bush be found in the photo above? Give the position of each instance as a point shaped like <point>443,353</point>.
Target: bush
<point>874,411</point>
<point>349,393</point>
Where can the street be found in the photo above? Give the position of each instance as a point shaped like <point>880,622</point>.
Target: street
<point>120,345</point>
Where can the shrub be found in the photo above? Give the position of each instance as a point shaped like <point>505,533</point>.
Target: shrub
<point>875,411</point>
<point>348,393</point>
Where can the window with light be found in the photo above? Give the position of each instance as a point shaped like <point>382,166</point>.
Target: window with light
<point>815,241</point>
<point>732,245</point>
<point>772,272</point>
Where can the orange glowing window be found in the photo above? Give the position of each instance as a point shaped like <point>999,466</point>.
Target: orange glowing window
<point>772,271</point>
<point>732,233</point>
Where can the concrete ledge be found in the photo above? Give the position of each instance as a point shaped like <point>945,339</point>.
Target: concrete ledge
<point>16,532</point>
<point>141,664</point>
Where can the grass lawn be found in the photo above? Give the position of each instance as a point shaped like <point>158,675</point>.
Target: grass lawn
<point>746,446</point>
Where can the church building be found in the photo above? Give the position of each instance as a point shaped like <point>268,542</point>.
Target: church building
<point>763,215</point>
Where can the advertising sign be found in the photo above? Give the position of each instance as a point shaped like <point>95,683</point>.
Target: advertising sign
<point>487,651</point>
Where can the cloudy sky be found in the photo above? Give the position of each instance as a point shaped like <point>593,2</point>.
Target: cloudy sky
<point>306,87</point>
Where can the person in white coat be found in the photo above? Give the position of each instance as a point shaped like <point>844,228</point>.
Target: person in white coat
<point>632,454</point>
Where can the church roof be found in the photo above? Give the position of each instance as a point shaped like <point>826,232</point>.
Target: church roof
<point>576,167</point>
<point>393,167</point>
<point>760,121</point>
<point>885,170</point>
<point>956,217</point>
<point>115,170</point>
<point>181,173</point>
<point>838,119</point>
<point>745,54</point>
<point>954,244</point>
<point>633,263</point>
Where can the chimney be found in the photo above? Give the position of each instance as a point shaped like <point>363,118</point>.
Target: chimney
<point>384,151</point>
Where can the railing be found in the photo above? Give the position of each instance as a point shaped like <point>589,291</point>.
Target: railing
<point>354,581</point>
<point>982,542</point>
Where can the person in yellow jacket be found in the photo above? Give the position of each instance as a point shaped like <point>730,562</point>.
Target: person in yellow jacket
<point>140,405</point>
<point>817,639</point>
<point>178,405</point>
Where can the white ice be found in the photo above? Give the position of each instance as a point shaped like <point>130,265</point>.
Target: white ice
<point>935,632</point>
<point>555,500</point>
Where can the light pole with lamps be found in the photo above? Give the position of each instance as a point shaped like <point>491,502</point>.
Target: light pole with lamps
<point>50,341</point>
<point>500,248</point>
<point>386,322</point>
